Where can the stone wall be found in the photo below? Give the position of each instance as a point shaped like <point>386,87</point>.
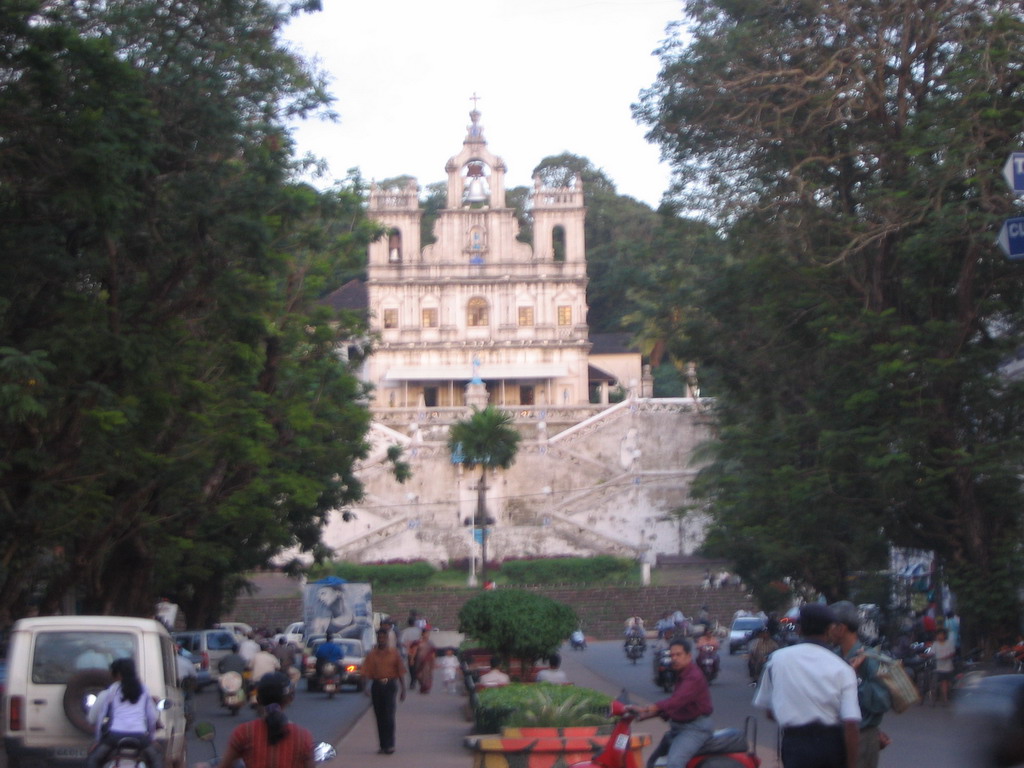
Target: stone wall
<point>602,611</point>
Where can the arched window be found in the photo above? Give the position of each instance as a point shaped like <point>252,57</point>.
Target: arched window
<point>476,312</point>
<point>558,243</point>
<point>395,246</point>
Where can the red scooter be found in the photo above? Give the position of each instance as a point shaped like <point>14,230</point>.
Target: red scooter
<point>728,748</point>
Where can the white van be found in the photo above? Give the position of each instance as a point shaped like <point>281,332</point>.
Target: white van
<point>54,663</point>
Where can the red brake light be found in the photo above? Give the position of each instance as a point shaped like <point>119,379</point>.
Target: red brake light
<point>17,704</point>
<point>205,660</point>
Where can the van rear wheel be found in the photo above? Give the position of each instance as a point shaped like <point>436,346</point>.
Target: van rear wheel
<point>81,684</point>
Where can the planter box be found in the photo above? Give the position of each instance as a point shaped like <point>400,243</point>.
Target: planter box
<point>544,751</point>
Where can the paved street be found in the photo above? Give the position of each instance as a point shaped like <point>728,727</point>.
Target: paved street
<point>328,719</point>
<point>923,735</point>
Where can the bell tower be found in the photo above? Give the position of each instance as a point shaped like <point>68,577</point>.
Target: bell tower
<point>476,178</point>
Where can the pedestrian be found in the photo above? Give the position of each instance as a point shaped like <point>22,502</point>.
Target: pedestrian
<point>409,637</point>
<point>688,710</point>
<point>944,652</point>
<point>494,676</point>
<point>812,694</point>
<point>425,656</point>
<point>448,663</point>
<point>270,741</point>
<point>872,694</point>
<point>554,673</point>
<point>383,667</point>
<point>285,653</point>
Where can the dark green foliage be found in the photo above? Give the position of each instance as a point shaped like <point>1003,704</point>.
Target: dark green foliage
<point>517,624</point>
<point>602,569</point>
<point>509,705</point>
<point>857,319</point>
<point>381,576</point>
<point>175,411</point>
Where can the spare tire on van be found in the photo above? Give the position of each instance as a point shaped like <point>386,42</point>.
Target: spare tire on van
<point>80,686</point>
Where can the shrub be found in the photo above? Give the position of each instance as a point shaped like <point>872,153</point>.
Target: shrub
<point>539,704</point>
<point>517,624</point>
<point>603,569</point>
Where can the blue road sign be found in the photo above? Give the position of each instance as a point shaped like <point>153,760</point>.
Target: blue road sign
<point>1013,171</point>
<point>1011,238</point>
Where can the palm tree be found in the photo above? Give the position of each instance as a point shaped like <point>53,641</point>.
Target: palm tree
<point>487,440</point>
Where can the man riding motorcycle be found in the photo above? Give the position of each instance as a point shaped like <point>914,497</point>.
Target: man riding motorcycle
<point>329,651</point>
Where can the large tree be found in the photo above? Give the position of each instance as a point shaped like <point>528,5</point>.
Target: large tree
<point>851,150</point>
<point>174,409</point>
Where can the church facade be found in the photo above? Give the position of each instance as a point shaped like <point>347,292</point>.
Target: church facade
<point>477,317</point>
<point>477,302</point>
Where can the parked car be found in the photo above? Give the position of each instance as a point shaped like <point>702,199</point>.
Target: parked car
<point>741,631</point>
<point>210,645</point>
<point>241,629</point>
<point>57,664</point>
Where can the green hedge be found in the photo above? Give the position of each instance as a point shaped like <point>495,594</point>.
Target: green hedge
<point>381,576</point>
<point>603,569</point>
<point>526,704</point>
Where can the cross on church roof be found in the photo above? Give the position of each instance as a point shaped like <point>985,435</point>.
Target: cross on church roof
<point>474,98</point>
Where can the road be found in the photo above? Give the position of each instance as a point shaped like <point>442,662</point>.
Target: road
<point>328,719</point>
<point>924,735</point>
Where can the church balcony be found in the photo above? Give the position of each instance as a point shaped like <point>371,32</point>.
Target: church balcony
<point>448,271</point>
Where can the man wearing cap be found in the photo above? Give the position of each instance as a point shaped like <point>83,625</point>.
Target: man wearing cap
<point>872,695</point>
<point>812,694</point>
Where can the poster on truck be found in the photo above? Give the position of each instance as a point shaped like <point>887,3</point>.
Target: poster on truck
<point>342,608</point>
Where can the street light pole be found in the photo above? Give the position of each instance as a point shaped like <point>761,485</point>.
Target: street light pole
<point>481,513</point>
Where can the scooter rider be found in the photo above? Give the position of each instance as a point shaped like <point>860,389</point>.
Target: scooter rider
<point>688,710</point>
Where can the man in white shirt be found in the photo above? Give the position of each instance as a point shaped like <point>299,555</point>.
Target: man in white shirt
<point>812,694</point>
<point>554,673</point>
<point>494,676</point>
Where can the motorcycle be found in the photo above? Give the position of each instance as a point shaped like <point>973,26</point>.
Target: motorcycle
<point>727,748</point>
<point>664,675</point>
<point>707,660</point>
<point>128,753</point>
<point>328,679</point>
<point>635,647</point>
<point>232,691</point>
<point>578,641</point>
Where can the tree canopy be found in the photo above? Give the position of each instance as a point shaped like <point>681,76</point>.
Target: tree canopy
<point>174,407</point>
<point>850,154</point>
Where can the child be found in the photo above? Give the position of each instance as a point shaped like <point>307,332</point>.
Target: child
<point>449,666</point>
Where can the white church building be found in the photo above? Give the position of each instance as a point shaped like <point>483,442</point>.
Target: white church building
<point>478,317</point>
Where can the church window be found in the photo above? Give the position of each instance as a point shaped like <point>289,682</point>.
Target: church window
<point>565,315</point>
<point>429,317</point>
<point>558,243</point>
<point>476,312</point>
<point>526,316</point>
<point>477,245</point>
<point>390,318</point>
<point>395,246</point>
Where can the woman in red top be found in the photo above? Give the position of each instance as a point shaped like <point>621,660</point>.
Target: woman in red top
<point>271,742</point>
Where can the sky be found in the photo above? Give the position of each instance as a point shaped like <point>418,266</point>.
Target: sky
<point>552,76</point>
